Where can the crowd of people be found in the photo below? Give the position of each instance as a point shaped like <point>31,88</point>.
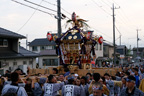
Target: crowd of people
<point>128,82</point>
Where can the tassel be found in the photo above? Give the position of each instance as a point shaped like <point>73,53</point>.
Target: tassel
<point>79,63</point>
<point>83,49</point>
<point>92,50</point>
<point>61,61</point>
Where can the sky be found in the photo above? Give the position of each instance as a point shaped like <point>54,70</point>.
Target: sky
<point>129,16</point>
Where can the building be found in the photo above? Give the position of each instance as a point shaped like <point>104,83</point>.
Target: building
<point>99,50</point>
<point>140,52</point>
<point>12,55</point>
<point>41,44</point>
<point>46,50</point>
<point>122,49</point>
<point>108,49</point>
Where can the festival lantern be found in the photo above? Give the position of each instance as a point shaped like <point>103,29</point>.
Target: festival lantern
<point>49,36</point>
<point>100,40</point>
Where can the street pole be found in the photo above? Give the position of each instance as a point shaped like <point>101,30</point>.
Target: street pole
<point>114,36</point>
<point>137,42</point>
<point>120,39</point>
<point>59,22</point>
<point>113,8</point>
<point>59,17</point>
<point>26,41</point>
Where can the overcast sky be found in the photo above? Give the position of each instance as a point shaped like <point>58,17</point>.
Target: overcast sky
<point>24,20</point>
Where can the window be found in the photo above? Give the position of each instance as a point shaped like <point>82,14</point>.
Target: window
<point>30,62</point>
<point>42,47</point>
<point>97,46</point>
<point>54,47</point>
<point>49,47</point>
<point>50,62</point>
<point>3,43</point>
<point>14,63</point>
<point>34,48</point>
<point>25,62</point>
<point>3,64</point>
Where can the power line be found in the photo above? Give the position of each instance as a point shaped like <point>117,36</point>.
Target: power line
<point>118,30</point>
<point>64,16</point>
<point>34,8</point>
<point>106,3</point>
<point>101,32</point>
<point>40,6</point>
<point>57,5</point>
<point>110,2</point>
<point>115,2</point>
<point>101,7</point>
<point>123,14</point>
<point>28,19</point>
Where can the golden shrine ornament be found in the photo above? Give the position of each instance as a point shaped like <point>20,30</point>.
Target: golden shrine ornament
<point>75,37</point>
<point>70,37</point>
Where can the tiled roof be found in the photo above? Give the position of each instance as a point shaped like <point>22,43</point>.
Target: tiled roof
<point>22,54</point>
<point>48,52</point>
<point>121,46</point>
<point>26,52</point>
<point>9,34</point>
<point>107,44</point>
<point>41,42</point>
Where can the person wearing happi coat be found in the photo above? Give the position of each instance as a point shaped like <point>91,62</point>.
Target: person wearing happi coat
<point>52,87</point>
<point>71,89</point>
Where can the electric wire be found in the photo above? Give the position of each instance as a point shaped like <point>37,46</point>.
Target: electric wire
<point>34,8</point>
<point>28,19</point>
<point>118,30</point>
<point>57,5</point>
<point>101,32</point>
<point>40,6</point>
<point>105,3</point>
<point>101,7</point>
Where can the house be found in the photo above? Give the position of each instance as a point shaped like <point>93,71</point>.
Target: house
<point>46,50</point>
<point>108,49</point>
<point>140,52</point>
<point>122,49</point>
<point>12,55</point>
<point>99,50</point>
<point>48,58</point>
<point>41,44</point>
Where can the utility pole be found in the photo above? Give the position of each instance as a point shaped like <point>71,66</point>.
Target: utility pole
<point>59,17</point>
<point>113,8</point>
<point>120,39</point>
<point>26,40</point>
<point>59,22</point>
<point>137,42</point>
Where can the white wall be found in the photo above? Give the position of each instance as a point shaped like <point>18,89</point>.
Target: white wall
<point>99,53</point>
<point>19,62</point>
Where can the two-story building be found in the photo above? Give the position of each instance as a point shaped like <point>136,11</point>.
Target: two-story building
<point>46,50</point>
<point>12,55</point>
<point>108,49</point>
